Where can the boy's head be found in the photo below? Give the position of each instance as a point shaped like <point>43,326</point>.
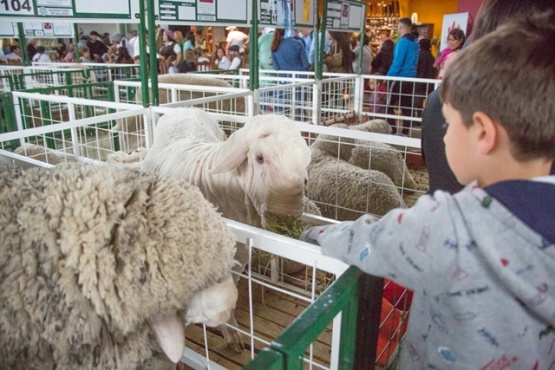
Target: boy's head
<point>508,77</point>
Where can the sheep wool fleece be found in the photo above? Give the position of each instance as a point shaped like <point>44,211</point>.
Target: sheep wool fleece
<point>482,277</point>
<point>89,253</point>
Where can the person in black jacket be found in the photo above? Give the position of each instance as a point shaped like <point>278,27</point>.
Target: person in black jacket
<point>96,47</point>
<point>424,69</point>
<point>382,61</point>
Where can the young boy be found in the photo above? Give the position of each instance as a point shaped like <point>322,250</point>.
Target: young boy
<point>481,262</point>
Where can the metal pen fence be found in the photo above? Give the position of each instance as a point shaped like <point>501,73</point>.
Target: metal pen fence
<point>79,136</point>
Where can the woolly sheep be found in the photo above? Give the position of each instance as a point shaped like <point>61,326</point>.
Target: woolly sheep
<point>355,191</point>
<point>41,153</point>
<point>92,256</point>
<point>375,156</point>
<point>260,169</point>
<point>130,128</point>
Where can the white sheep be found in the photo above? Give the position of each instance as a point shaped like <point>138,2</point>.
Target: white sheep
<point>345,192</point>
<point>258,172</point>
<point>131,130</point>
<point>260,169</point>
<point>94,258</point>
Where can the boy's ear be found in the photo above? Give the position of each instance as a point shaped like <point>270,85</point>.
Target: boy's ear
<point>486,131</point>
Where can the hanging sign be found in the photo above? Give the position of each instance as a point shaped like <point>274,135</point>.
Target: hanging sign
<point>8,29</point>
<point>272,13</point>
<point>346,16</point>
<point>77,10</point>
<point>203,12</point>
<point>48,29</point>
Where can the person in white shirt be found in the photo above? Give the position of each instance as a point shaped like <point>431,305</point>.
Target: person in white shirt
<point>222,61</point>
<point>41,56</point>
<point>236,37</point>
<point>233,53</point>
<point>15,53</point>
<point>132,42</point>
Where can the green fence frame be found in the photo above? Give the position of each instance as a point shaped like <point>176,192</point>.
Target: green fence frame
<point>287,350</point>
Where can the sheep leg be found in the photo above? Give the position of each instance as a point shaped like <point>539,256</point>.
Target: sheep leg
<point>233,338</point>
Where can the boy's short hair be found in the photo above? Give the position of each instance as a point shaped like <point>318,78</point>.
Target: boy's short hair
<point>509,75</point>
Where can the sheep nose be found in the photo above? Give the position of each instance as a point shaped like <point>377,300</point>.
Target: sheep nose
<point>305,182</point>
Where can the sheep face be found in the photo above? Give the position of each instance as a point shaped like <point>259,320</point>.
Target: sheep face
<point>212,306</point>
<point>272,158</point>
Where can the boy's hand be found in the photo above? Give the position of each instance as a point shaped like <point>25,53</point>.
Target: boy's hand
<point>310,235</point>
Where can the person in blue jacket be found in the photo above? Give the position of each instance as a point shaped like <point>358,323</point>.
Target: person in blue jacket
<point>405,61</point>
<point>288,54</point>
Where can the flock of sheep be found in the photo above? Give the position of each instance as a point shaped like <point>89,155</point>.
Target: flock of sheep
<point>98,261</point>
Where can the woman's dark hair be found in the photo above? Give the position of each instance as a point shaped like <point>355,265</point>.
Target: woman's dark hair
<point>458,35</point>
<point>123,56</point>
<point>425,44</point>
<point>190,36</point>
<point>387,47</point>
<point>216,52</point>
<point>276,39</point>
<point>342,40</point>
<point>366,40</point>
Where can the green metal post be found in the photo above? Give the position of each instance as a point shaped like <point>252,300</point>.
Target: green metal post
<point>341,296</point>
<point>254,82</point>
<point>23,45</point>
<point>142,50</point>
<point>319,58</point>
<point>76,41</point>
<point>152,47</point>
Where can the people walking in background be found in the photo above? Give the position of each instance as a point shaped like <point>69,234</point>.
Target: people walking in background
<point>327,44</point>
<point>366,63</point>
<point>384,58</point>
<point>455,42</point>
<point>41,56</point>
<point>340,57</point>
<point>85,55</point>
<point>96,46</point>
<point>200,41</point>
<point>189,41</point>
<point>236,37</point>
<point>235,57</point>
<point>265,48</point>
<point>288,54</point>
<point>15,54</point>
<point>32,48</point>
<point>405,61</point>
<point>169,47</point>
<point>221,61</point>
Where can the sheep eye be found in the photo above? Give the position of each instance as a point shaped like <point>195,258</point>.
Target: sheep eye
<point>260,158</point>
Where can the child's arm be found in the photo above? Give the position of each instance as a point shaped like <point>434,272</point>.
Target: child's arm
<point>406,245</point>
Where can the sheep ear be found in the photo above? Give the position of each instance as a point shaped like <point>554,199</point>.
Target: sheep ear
<point>170,334</point>
<point>232,153</point>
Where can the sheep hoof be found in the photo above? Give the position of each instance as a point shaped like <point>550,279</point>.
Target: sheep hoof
<point>234,341</point>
